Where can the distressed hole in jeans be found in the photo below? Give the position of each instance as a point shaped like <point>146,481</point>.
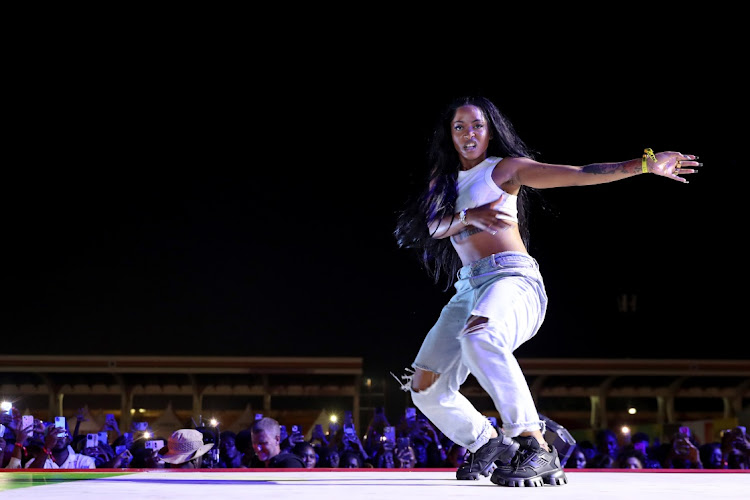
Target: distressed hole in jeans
<point>474,324</point>
<point>423,380</point>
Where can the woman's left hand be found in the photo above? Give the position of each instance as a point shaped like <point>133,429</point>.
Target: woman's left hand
<point>673,165</point>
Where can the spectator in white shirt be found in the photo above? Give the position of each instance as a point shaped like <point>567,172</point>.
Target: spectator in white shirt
<point>58,454</point>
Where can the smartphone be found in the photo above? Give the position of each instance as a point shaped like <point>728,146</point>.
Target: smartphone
<point>27,421</point>
<point>140,426</point>
<point>403,443</point>
<point>2,430</point>
<point>390,433</point>
<point>60,422</point>
<point>119,449</point>
<point>92,440</point>
<point>6,406</point>
<point>349,429</point>
<point>103,437</point>
<point>258,416</point>
<point>282,432</point>
<point>411,413</point>
<point>296,429</point>
<point>156,444</point>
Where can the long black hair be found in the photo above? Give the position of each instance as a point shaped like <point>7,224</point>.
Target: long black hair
<point>439,197</point>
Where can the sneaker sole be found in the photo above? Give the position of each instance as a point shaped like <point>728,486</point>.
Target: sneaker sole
<point>473,476</point>
<point>552,478</point>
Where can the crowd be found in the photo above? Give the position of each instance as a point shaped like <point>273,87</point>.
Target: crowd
<point>412,443</point>
<point>682,451</point>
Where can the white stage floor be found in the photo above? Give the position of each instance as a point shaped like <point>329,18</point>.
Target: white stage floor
<point>351,484</point>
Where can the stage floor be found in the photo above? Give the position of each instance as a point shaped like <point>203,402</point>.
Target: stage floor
<point>350,484</point>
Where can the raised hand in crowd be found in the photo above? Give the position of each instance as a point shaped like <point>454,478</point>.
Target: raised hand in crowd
<point>318,436</point>
<point>683,454</point>
<point>110,424</point>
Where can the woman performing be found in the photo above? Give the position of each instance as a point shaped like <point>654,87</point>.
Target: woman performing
<point>470,222</point>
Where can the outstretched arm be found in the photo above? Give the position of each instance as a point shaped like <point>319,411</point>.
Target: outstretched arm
<point>527,172</point>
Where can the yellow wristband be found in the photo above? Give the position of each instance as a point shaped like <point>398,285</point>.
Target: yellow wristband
<point>644,163</point>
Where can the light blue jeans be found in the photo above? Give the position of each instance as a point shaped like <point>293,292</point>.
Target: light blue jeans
<point>507,289</point>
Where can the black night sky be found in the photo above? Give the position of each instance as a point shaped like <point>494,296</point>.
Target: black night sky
<point>191,206</point>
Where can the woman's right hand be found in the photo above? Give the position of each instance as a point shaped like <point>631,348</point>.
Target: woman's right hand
<point>489,217</point>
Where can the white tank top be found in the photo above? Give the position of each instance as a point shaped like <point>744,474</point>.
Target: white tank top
<point>476,187</point>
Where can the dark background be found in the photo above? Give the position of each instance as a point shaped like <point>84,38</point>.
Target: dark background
<point>177,201</point>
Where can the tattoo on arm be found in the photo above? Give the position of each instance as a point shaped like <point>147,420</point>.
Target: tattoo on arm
<point>607,168</point>
<point>465,234</point>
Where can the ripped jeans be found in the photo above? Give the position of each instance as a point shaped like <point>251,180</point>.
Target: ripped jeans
<point>507,289</point>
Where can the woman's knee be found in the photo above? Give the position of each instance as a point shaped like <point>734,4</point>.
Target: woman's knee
<point>423,380</point>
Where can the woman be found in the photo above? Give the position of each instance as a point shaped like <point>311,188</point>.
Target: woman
<point>470,222</point>
<point>306,452</point>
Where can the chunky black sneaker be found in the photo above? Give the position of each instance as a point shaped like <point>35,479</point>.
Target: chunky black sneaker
<point>501,449</point>
<point>531,468</point>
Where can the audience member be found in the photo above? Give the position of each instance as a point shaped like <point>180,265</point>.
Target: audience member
<point>244,443</point>
<point>641,442</point>
<point>405,457</point>
<point>455,456</point>
<point>351,459</point>
<point>55,452</point>
<point>375,432</point>
<point>229,456</point>
<point>146,458</point>
<point>588,448</point>
<point>577,459</point>
<point>383,457</point>
<point>711,456</point>
<point>328,458</point>
<point>266,435</point>
<point>735,448</point>
<point>630,458</point>
<point>683,451</point>
<point>185,449</point>
<point>306,452</point>
<point>606,445</point>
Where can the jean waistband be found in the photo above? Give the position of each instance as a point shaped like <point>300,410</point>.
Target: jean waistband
<point>497,261</point>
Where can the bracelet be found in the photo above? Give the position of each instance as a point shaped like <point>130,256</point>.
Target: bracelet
<point>648,152</point>
<point>462,216</point>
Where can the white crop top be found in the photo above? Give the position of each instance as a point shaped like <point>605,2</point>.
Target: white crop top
<point>476,187</point>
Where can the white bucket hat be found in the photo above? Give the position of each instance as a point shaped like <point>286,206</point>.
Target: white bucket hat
<point>184,445</point>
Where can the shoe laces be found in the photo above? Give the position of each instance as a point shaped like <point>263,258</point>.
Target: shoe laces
<point>468,459</point>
